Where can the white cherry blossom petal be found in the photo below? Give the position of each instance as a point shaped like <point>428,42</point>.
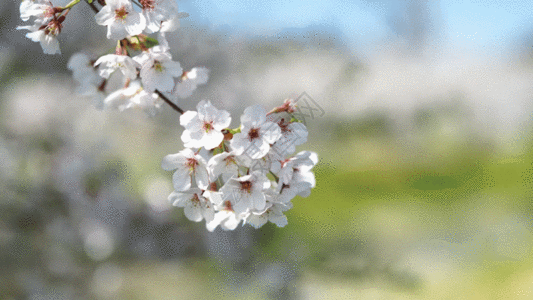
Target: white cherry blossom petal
<point>181,180</point>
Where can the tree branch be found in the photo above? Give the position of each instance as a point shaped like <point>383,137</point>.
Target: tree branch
<point>174,106</point>
<point>91,4</point>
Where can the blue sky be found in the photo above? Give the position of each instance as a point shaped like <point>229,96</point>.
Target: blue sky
<point>489,24</point>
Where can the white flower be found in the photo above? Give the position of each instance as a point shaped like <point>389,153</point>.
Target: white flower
<point>214,197</point>
<point>256,133</point>
<point>46,35</point>
<point>85,74</point>
<point>295,176</point>
<point>187,165</point>
<point>196,207</point>
<point>292,135</point>
<point>203,128</point>
<point>82,68</point>
<point>133,96</point>
<point>173,23</point>
<point>198,75</point>
<point>111,62</point>
<point>121,19</point>
<point>301,183</point>
<point>158,11</point>
<point>41,9</point>
<point>273,212</point>
<point>223,163</point>
<point>158,69</point>
<point>227,219</point>
<point>303,161</point>
<point>246,192</point>
<point>149,102</point>
<point>296,187</point>
<point>190,81</point>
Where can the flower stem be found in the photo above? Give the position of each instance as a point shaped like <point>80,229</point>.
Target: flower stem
<point>71,4</point>
<point>275,177</point>
<point>94,8</point>
<point>137,4</point>
<point>174,106</point>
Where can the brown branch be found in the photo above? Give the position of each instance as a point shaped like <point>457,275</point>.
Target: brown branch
<point>95,9</point>
<point>174,106</point>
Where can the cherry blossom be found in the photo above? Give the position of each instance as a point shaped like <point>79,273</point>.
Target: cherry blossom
<point>224,175</point>
<point>90,83</point>
<point>159,12</point>
<point>246,192</point>
<point>41,9</point>
<point>121,19</point>
<point>187,165</point>
<point>111,62</point>
<point>256,133</point>
<point>292,135</point>
<point>227,219</point>
<point>273,212</point>
<point>303,161</point>
<point>301,183</point>
<point>131,96</point>
<point>196,207</point>
<point>158,70</point>
<point>190,81</point>
<point>46,35</point>
<point>223,163</point>
<point>203,128</point>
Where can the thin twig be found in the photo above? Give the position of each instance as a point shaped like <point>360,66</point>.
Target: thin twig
<point>95,9</point>
<point>137,4</point>
<point>275,177</point>
<point>174,106</point>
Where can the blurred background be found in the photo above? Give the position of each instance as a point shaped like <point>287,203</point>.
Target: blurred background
<point>423,185</point>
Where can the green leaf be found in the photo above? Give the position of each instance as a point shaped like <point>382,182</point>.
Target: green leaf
<point>295,120</point>
<point>234,131</point>
<point>151,42</point>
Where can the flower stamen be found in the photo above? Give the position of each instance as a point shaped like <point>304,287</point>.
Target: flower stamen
<point>246,186</point>
<point>253,134</point>
<point>207,126</point>
<point>121,13</point>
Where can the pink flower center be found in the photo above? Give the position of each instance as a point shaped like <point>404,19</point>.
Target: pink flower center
<point>148,4</point>
<point>195,199</point>
<point>207,126</point>
<point>230,160</point>
<point>121,13</point>
<point>253,134</point>
<point>246,186</point>
<point>283,162</point>
<point>49,12</point>
<point>284,125</point>
<point>191,164</point>
<point>158,66</point>
<point>53,28</point>
<point>227,206</point>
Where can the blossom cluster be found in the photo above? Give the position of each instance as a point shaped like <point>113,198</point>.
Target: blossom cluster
<point>145,63</point>
<point>145,77</point>
<point>226,176</point>
<point>120,17</point>
<point>47,23</point>
<point>223,176</point>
